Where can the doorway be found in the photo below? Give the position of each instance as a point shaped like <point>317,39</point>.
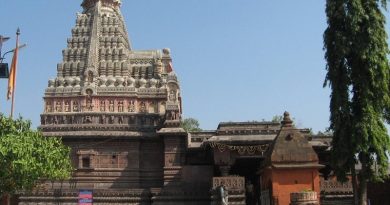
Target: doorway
<point>247,167</point>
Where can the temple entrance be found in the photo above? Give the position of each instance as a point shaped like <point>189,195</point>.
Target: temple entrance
<point>247,166</point>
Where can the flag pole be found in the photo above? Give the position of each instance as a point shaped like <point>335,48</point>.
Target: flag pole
<point>14,76</point>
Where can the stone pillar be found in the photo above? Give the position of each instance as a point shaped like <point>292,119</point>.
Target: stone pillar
<point>175,145</point>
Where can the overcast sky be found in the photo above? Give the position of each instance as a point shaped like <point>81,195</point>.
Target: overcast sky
<point>237,60</point>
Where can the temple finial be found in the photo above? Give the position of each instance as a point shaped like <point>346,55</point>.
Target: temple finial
<point>109,3</point>
<point>287,122</point>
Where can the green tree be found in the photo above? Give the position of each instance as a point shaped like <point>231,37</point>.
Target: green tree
<point>277,118</point>
<point>26,157</point>
<point>190,125</point>
<point>358,73</point>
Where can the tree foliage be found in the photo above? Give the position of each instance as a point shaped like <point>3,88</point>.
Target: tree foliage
<point>190,125</point>
<point>277,118</point>
<point>26,157</point>
<point>358,73</point>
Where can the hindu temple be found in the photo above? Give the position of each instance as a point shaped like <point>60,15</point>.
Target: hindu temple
<point>120,110</point>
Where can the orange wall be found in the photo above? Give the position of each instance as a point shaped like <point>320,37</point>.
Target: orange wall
<point>285,181</point>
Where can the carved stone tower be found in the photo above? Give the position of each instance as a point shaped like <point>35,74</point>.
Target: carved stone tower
<point>115,107</point>
<point>103,85</point>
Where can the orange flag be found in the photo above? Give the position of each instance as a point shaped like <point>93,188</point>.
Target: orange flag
<point>14,64</point>
<point>170,67</point>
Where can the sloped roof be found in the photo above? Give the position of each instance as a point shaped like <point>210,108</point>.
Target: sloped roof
<point>291,148</point>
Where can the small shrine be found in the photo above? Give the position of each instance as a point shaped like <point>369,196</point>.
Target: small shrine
<point>292,166</point>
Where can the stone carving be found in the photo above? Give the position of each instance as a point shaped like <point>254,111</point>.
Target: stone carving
<point>169,160</point>
<point>103,119</point>
<point>102,106</point>
<point>142,83</point>
<point>131,107</point>
<point>304,198</point>
<point>120,81</point>
<point>153,83</point>
<point>51,83</point>
<point>75,106</point>
<point>120,120</point>
<point>90,77</point>
<point>77,81</point>
<point>67,106</point>
<point>333,186</point>
<point>103,81</point>
<point>64,120</point>
<point>142,107</point>
<point>44,120</point>
<point>152,107</point>
<point>89,105</point>
<point>60,82</point>
<point>159,66</point>
<point>89,92</point>
<point>111,106</point>
<point>173,115</point>
<point>172,96</point>
<point>112,119</point>
<point>162,108</point>
<point>130,82</point>
<point>120,106</point>
<point>87,119</point>
<point>166,51</point>
<point>230,182</point>
<point>242,150</point>
<point>55,120</point>
<point>69,81</point>
<point>71,119</point>
<point>58,107</point>
<point>111,81</point>
<point>49,107</point>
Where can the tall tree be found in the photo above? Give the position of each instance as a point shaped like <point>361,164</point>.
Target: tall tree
<point>26,157</point>
<point>358,73</point>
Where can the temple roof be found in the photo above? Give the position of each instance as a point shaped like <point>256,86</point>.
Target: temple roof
<point>291,148</point>
<point>102,84</point>
<point>99,54</point>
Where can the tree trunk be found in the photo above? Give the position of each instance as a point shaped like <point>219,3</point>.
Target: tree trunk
<point>355,187</point>
<point>363,179</point>
<point>363,191</point>
<point>6,199</point>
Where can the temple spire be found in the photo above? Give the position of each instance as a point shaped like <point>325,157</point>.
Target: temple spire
<point>109,3</point>
<point>287,122</point>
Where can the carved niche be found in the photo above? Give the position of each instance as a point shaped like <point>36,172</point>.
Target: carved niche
<point>102,106</point>
<point>142,107</point>
<point>131,106</point>
<point>89,104</point>
<point>58,107</point>
<point>75,106</point>
<point>111,106</point>
<point>120,106</point>
<point>49,106</point>
<point>152,107</point>
<point>67,106</point>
